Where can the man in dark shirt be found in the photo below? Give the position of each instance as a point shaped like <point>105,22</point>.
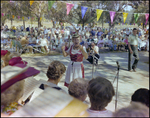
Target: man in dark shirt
<point>93,32</point>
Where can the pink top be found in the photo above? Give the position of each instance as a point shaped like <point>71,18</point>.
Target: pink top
<point>126,41</point>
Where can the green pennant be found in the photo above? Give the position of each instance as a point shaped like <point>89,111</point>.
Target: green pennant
<point>50,4</point>
<point>136,16</point>
<point>8,16</point>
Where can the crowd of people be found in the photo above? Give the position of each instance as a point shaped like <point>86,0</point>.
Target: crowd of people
<point>99,90</point>
<point>46,39</point>
<point>77,44</point>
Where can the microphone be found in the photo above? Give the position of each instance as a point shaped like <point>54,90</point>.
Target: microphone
<point>118,64</point>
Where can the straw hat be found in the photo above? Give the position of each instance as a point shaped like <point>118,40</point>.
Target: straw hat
<point>75,35</point>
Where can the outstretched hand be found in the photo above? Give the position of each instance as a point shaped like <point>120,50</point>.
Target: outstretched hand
<point>63,48</point>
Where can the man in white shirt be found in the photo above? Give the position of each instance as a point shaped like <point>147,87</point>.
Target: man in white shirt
<point>133,50</point>
<point>94,51</point>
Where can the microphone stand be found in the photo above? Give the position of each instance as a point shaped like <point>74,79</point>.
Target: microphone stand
<point>117,76</point>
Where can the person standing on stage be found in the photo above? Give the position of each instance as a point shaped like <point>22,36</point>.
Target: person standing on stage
<point>133,50</point>
<point>75,67</point>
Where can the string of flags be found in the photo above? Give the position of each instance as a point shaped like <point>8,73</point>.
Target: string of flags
<point>84,9</point>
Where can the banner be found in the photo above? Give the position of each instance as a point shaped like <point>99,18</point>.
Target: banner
<point>112,14</point>
<point>83,11</point>
<point>146,16</point>
<point>13,16</point>
<point>2,14</point>
<point>22,18</point>
<point>40,18</point>
<point>136,16</point>
<point>18,17</point>
<point>125,16</point>
<point>69,6</point>
<point>31,2</point>
<point>99,13</point>
<point>50,4</point>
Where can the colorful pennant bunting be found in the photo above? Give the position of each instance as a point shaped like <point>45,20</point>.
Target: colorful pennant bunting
<point>99,13</point>
<point>31,2</point>
<point>50,4</point>
<point>112,14</point>
<point>136,16</point>
<point>125,16</point>
<point>146,16</point>
<point>13,16</point>
<point>69,7</point>
<point>22,18</point>
<point>83,11</point>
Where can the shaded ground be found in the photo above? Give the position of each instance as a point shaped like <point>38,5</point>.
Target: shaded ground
<point>128,81</point>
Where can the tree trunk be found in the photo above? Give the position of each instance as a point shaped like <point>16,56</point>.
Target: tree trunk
<point>11,22</point>
<point>24,23</point>
<point>53,24</point>
<point>39,22</point>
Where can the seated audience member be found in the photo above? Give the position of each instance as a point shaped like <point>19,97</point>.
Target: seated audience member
<point>90,40</point>
<point>100,92</point>
<point>141,95</point>
<point>95,50</point>
<point>78,89</point>
<point>135,109</point>
<point>100,43</point>
<point>126,43</point>
<point>24,42</point>
<point>54,73</point>
<point>32,40</point>
<point>44,43</point>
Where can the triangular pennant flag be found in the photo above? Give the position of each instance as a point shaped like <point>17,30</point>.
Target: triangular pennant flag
<point>125,16</point>
<point>18,17</point>
<point>69,6</point>
<point>83,11</point>
<point>146,16</point>
<point>22,18</point>
<point>98,12</point>
<point>50,4</point>
<point>141,23</point>
<point>13,16</point>
<point>31,2</point>
<point>2,14</point>
<point>28,17</point>
<point>136,16</point>
<point>112,14</point>
<point>40,18</point>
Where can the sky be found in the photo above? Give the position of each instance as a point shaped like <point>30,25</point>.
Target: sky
<point>128,8</point>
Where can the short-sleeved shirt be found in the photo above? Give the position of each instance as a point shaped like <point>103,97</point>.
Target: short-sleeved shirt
<point>133,40</point>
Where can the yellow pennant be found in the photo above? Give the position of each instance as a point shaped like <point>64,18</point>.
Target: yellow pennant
<point>40,18</point>
<point>98,12</point>
<point>119,23</point>
<point>13,16</point>
<point>125,16</point>
<point>22,18</point>
<point>31,2</point>
<point>141,23</point>
<point>126,23</point>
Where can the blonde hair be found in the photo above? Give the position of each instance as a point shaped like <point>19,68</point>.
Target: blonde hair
<point>135,109</point>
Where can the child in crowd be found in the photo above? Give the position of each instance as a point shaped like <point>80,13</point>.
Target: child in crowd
<point>78,89</point>
<point>77,52</point>
<point>100,92</point>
